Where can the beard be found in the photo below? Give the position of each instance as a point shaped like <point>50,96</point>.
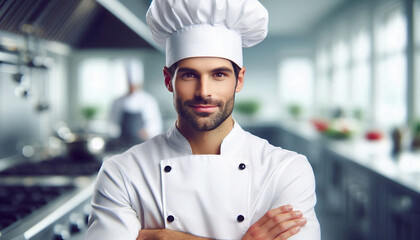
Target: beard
<point>202,121</point>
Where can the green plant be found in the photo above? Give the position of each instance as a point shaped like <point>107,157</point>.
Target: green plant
<point>417,127</point>
<point>295,109</point>
<point>247,107</point>
<point>89,112</point>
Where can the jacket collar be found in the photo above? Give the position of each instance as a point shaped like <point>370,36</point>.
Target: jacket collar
<point>229,144</point>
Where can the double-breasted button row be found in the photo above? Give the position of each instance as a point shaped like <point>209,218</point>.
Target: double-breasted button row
<point>241,166</point>
<point>170,218</point>
<point>241,218</point>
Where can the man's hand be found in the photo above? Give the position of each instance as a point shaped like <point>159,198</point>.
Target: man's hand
<point>279,224</point>
<point>165,234</point>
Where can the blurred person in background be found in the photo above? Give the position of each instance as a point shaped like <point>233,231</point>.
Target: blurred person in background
<point>136,115</point>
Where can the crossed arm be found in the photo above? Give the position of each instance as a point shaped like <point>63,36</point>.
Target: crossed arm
<point>277,224</point>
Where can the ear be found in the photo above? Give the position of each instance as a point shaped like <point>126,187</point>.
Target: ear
<point>168,79</point>
<point>240,82</point>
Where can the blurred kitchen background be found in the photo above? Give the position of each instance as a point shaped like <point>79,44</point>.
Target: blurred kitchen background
<point>336,80</point>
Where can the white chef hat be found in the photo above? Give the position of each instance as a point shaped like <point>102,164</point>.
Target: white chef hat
<point>134,70</point>
<point>207,28</point>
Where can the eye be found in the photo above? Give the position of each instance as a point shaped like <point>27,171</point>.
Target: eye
<point>220,75</point>
<point>188,75</point>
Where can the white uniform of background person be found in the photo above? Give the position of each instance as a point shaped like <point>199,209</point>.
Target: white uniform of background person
<point>162,184</point>
<point>137,105</point>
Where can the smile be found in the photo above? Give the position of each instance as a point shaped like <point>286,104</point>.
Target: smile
<point>204,108</point>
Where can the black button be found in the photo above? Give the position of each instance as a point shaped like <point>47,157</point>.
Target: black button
<point>168,168</point>
<point>240,218</point>
<point>170,218</point>
<point>74,228</point>
<point>242,166</point>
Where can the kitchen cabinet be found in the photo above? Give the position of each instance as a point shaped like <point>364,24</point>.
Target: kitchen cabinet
<point>360,196</point>
<point>269,132</point>
<point>372,206</point>
<point>306,144</point>
<point>400,213</point>
<point>332,187</point>
<point>356,201</point>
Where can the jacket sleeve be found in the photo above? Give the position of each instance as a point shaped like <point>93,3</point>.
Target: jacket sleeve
<point>296,186</point>
<point>112,216</point>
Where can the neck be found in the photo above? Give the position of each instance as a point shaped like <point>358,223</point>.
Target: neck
<point>133,88</point>
<point>205,142</point>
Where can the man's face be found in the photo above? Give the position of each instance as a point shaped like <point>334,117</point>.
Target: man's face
<point>204,91</point>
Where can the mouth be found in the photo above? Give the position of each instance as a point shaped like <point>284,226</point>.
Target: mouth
<point>204,108</point>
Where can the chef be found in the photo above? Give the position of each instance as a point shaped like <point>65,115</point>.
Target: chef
<point>136,115</point>
<point>205,177</point>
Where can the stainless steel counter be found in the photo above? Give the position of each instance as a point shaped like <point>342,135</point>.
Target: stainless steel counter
<point>47,199</point>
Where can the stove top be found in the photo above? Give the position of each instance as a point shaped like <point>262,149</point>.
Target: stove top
<point>16,202</point>
<point>63,166</point>
<point>39,197</point>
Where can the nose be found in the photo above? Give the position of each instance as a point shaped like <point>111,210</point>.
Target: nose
<point>203,88</point>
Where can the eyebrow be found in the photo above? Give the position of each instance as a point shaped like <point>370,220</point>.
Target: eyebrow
<point>223,69</point>
<point>186,69</point>
<point>220,69</point>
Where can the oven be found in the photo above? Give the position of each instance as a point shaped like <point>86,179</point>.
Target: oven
<point>46,200</point>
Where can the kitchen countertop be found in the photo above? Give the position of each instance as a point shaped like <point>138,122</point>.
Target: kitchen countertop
<point>373,155</point>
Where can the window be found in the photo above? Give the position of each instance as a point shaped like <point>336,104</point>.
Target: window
<point>296,83</point>
<point>391,70</point>
<point>323,66</point>
<point>340,75</point>
<point>363,68</point>
<point>101,80</point>
<point>333,74</point>
<point>417,58</point>
<point>360,74</point>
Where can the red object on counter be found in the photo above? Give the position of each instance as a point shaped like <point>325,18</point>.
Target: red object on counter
<point>374,135</point>
<point>320,125</point>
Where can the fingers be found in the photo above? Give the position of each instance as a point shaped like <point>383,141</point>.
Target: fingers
<point>287,229</point>
<point>279,223</point>
<point>277,220</point>
<point>272,213</point>
<point>288,233</point>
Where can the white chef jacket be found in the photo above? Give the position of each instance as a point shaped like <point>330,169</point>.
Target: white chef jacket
<point>161,184</point>
<point>138,102</point>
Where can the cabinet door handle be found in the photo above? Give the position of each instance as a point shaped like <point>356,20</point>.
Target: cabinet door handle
<point>402,204</point>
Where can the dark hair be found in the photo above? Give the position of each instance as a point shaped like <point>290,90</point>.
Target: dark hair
<point>172,69</point>
<point>236,69</point>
